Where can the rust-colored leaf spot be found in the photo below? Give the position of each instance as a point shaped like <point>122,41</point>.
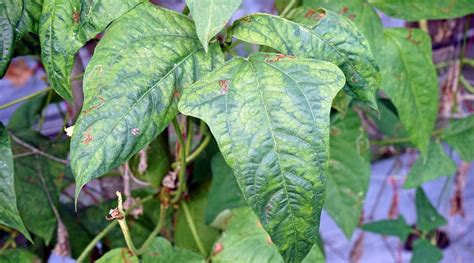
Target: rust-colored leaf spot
<point>218,247</point>
<point>176,94</point>
<point>279,57</point>
<point>87,138</point>
<point>343,10</point>
<point>224,83</point>
<point>75,17</point>
<point>94,107</point>
<point>310,13</point>
<point>352,17</point>
<point>246,19</point>
<point>410,37</point>
<point>269,240</point>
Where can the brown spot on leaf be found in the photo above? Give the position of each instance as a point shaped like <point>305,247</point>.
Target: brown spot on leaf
<point>352,17</point>
<point>224,83</point>
<point>315,14</point>
<point>309,13</point>
<point>94,107</point>
<point>75,17</point>
<point>218,247</point>
<point>410,37</point>
<point>343,10</point>
<point>87,138</point>
<point>176,94</point>
<point>279,57</point>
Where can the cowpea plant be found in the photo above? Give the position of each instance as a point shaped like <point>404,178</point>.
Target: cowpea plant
<point>280,128</point>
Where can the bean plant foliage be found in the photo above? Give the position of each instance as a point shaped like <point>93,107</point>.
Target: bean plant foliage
<point>235,135</point>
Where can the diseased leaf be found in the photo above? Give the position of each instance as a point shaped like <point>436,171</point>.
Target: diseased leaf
<point>270,116</point>
<point>7,39</point>
<point>363,15</point>
<point>225,192</point>
<point>118,255</point>
<point>9,213</point>
<point>244,240</point>
<point>210,16</point>
<point>425,252</point>
<point>460,136</point>
<point>436,164</point>
<point>410,80</point>
<point>427,218</point>
<point>66,25</point>
<point>398,227</point>
<point>131,86</point>
<point>161,251</point>
<point>349,172</point>
<point>183,236</point>
<point>411,10</point>
<point>326,36</point>
<point>18,255</point>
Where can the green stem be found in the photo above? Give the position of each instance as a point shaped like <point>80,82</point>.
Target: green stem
<point>124,227</point>
<point>155,231</point>
<point>189,136</point>
<point>390,141</point>
<point>192,227</point>
<point>288,8</point>
<point>182,168</point>
<point>423,25</point>
<point>22,99</point>
<point>466,84</point>
<point>196,152</point>
<point>107,229</point>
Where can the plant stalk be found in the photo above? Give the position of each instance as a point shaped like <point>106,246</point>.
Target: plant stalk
<point>22,99</point>
<point>192,227</point>
<point>182,162</point>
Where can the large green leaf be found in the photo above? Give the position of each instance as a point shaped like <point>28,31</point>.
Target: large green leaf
<point>183,236</point>
<point>9,213</point>
<point>410,80</point>
<point>211,16</point>
<point>397,227</point>
<point>327,37</point>
<point>161,251</point>
<point>244,240</point>
<point>131,85</point>
<point>460,136</point>
<point>225,192</point>
<point>66,25</point>
<point>349,172</point>
<point>18,255</point>
<point>413,10</point>
<point>427,218</point>
<point>270,116</point>
<point>363,15</point>
<point>425,252</point>
<point>436,164</point>
<point>118,255</point>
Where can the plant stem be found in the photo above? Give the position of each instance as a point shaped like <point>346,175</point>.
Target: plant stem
<point>155,231</point>
<point>288,8</point>
<point>124,227</point>
<point>189,136</point>
<point>107,229</point>
<point>22,99</point>
<point>43,115</point>
<point>196,152</point>
<point>423,25</point>
<point>36,150</point>
<point>182,159</point>
<point>192,227</point>
<point>466,84</point>
<point>390,141</point>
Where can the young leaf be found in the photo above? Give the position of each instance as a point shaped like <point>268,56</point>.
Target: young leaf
<point>425,252</point>
<point>327,37</point>
<point>9,214</point>
<point>398,227</point>
<point>138,69</point>
<point>436,164</point>
<point>410,80</point>
<point>270,116</point>
<point>66,26</point>
<point>363,15</point>
<point>225,192</point>
<point>211,16</point>
<point>118,255</point>
<point>244,240</point>
<point>424,9</point>
<point>427,218</point>
<point>349,172</point>
<point>161,251</point>
<point>460,136</point>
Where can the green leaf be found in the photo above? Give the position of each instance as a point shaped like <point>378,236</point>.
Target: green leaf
<point>460,136</point>
<point>316,255</point>
<point>398,227</point>
<point>143,62</point>
<point>327,37</point>
<point>66,26</point>
<point>18,255</point>
<point>27,115</point>
<point>183,236</point>
<point>161,251</point>
<point>436,164</point>
<point>244,240</point>
<point>363,15</point>
<point>410,80</point>
<point>9,213</point>
<point>349,172</point>
<point>387,121</point>
<point>427,218</point>
<point>425,252</point>
<point>7,39</point>
<point>411,10</point>
<point>211,16</point>
<point>270,116</point>
<point>118,255</point>
<point>225,192</point>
